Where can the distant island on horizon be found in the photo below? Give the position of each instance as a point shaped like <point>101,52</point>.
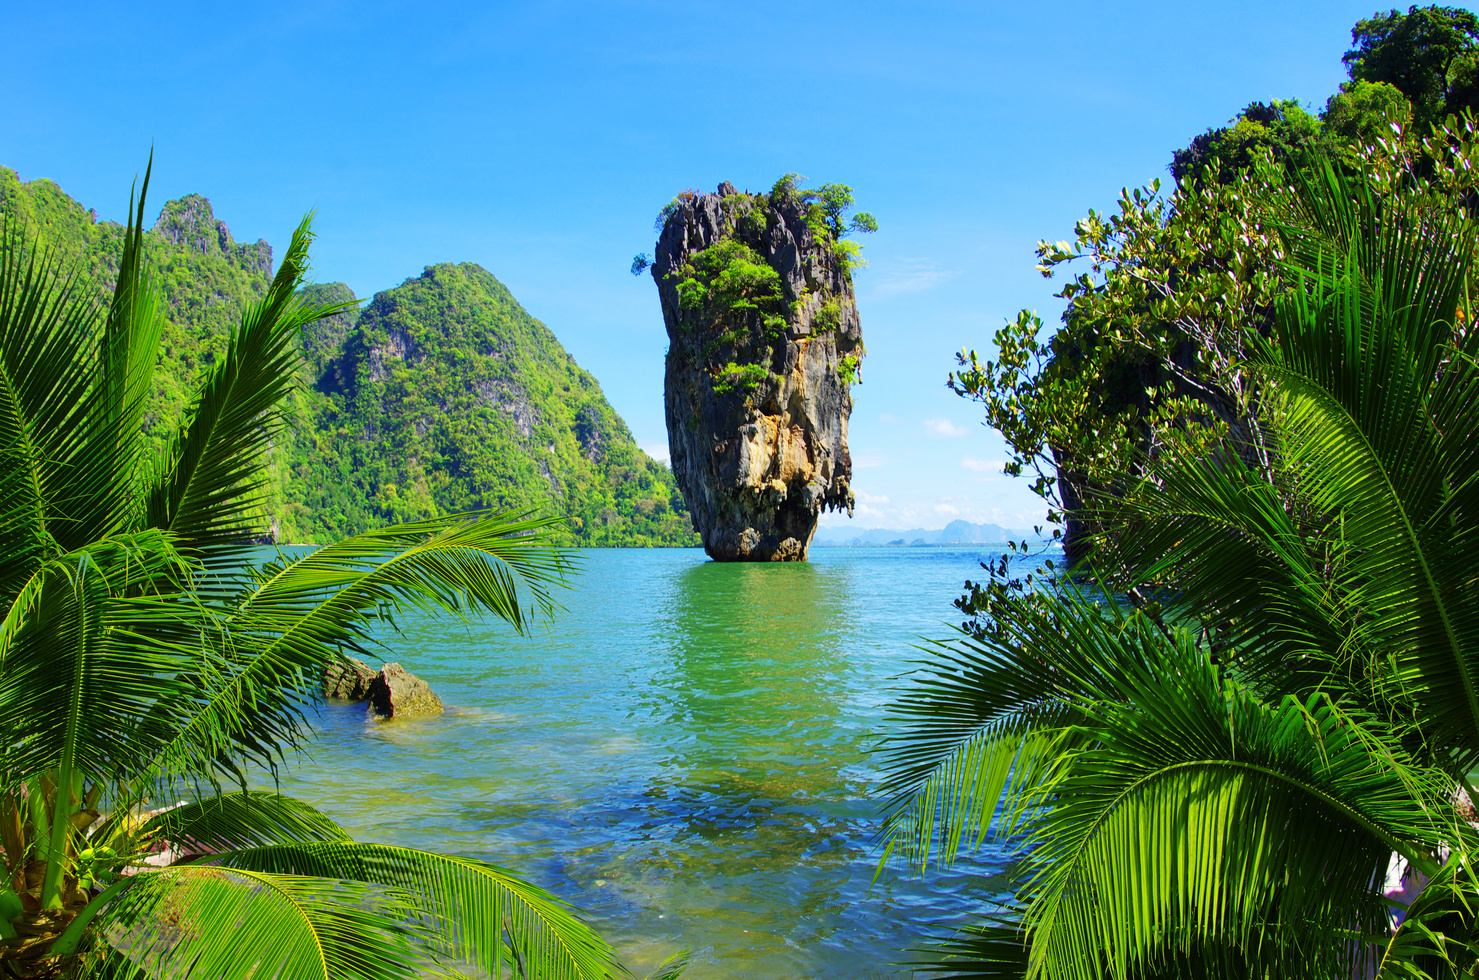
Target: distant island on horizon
<point>955,533</point>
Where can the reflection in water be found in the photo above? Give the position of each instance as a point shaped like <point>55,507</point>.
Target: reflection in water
<point>752,704</point>
<point>683,755</point>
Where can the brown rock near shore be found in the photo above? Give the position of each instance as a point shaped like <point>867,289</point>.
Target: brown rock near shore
<point>348,679</point>
<point>397,693</point>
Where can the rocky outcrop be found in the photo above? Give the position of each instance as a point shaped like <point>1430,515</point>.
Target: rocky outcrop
<point>191,223</point>
<point>348,679</point>
<point>397,693</point>
<point>765,343</point>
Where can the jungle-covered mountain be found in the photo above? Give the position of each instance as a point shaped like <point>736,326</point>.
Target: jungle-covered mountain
<point>440,395</point>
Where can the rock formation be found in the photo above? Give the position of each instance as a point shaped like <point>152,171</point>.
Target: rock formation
<point>397,693</point>
<point>765,343</point>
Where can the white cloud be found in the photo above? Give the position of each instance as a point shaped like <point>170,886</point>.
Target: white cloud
<point>867,462</point>
<point>910,276</point>
<point>981,465</point>
<point>946,509</point>
<point>658,451</point>
<point>944,427</point>
<point>869,498</point>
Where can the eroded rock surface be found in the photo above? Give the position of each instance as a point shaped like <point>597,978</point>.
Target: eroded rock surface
<point>397,693</point>
<point>765,343</point>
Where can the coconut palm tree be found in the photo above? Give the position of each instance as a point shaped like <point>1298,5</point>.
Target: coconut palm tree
<point>141,655</point>
<point>1214,780</point>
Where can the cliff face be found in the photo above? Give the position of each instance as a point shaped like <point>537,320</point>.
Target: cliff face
<point>765,343</point>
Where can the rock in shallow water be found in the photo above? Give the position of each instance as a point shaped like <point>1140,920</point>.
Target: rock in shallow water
<point>397,693</point>
<point>348,679</point>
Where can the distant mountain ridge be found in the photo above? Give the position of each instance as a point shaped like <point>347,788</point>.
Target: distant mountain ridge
<point>954,533</point>
<point>440,395</point>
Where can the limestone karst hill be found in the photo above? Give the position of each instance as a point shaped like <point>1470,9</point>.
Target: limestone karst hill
<point>441,394</point>
<point>765,343</point>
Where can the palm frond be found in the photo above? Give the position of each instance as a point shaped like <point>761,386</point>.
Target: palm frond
<point>48,336</point>
<point>1201,819</point>
<point>476,912</point>
<point>298,613</point>
<point>95,491</point>
<point>1178,822</point>
<point>90,647</point>
<point>230,821</point>
<point>207,485</point>
<point>236,924</point>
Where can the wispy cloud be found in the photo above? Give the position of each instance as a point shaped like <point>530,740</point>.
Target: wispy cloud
<point>911,276</point>
<point>658,451</point>
<point>869,498</point>
<point>888,418</point>
<point>946,509</point>
<point>981,465</point>
<point>944,427</point>
<point>867,461</point>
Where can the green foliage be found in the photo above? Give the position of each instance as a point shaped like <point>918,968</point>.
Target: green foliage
<point>729,277</point>
<point>1212,783</point>
<point>828,318</point>
<point>1281,129</point>
<point>847,368</point>
<point>672,208</point>
<point>1421,53</point>
<point>737,377</point>
<point>1363,112</point>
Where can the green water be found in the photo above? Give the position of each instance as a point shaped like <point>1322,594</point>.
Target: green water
<point>683,755</point>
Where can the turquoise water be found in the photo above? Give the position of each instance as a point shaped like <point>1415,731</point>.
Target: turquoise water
<point>682,754</point>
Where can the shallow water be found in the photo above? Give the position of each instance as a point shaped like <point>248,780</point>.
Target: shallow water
<point>682,755</point>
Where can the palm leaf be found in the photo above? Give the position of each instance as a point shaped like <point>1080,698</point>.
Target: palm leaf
<point>48,335</point>
<point>476,912</point>
<point>1181,819</point>
<point>207,486</point>
<point>297,615</point>
<point>234,924</point>
<point>94,495</point>
<point>230,821</point>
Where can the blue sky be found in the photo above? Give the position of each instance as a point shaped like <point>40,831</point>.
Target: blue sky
<point>540,140</point>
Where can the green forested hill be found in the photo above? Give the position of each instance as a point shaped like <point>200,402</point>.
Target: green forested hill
<point>442,394</point>
<point>448,395</point>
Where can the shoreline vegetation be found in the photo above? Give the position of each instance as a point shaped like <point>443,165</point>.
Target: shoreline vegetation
<point>1234,730</point>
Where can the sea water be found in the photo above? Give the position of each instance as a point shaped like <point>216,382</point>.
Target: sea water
<point>683,754</point>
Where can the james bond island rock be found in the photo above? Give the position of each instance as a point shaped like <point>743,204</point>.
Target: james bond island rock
<point>765,344</point>
<point>348,679</point>
<point>397,693</point>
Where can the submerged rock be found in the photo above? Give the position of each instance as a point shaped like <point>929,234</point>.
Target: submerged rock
<point>398,693</point>
<point>765,343</point>
<point>348,679</point>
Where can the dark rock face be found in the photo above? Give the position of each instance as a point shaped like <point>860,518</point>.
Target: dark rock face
<point>397,693</point>
<point>765,342</point>
<point>348,680</point>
